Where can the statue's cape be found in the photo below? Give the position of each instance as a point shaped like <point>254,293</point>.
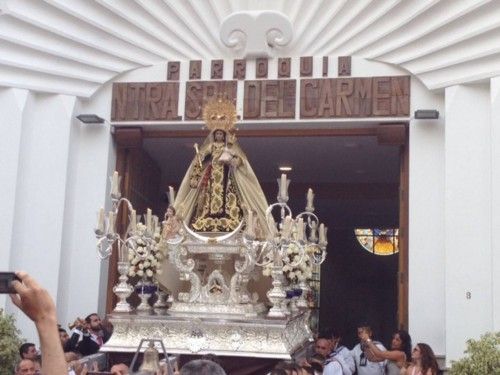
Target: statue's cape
<point>252,195</point>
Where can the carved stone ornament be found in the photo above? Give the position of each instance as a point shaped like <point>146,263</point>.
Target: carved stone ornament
<point>256,33</point>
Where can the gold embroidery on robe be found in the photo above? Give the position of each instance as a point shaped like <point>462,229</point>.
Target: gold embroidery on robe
<point>219,202</point>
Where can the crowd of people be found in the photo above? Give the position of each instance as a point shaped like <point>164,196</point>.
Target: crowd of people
<point>368,357</point>
<point>60,352</point>
<point>87,336</point>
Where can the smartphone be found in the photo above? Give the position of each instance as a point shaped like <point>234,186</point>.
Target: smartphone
<point>6,279</point>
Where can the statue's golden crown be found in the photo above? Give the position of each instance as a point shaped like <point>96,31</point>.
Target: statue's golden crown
<point>219,113</point>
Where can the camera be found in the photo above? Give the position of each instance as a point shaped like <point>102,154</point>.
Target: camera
<point>6,279</point>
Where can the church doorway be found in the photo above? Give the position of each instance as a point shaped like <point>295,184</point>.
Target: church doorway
<point>359,176</point>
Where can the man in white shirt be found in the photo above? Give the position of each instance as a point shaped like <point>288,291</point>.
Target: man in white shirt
<point>332,367</point>
<point>323,346</point>
<point>341,353</point>
<point>361,357</point>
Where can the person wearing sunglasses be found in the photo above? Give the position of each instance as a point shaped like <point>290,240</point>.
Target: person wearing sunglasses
<point>366,362</point>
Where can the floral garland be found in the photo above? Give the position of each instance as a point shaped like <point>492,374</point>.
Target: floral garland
<point>146,262</point>
<point>300,272</point>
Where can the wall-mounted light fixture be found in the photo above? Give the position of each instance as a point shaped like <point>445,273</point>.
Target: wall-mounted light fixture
<point>285,168</point>
<point>90,119</point>
<point>426,114</point>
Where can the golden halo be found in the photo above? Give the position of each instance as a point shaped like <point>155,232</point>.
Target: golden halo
<point>219,113</point>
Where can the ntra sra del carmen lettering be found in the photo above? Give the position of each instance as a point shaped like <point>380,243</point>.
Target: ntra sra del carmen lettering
<point>355,97</point>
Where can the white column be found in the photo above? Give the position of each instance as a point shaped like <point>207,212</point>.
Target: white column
<point>12,102</point>
<point>467,233</point>
<point>82,285</point>
<point>426,241</point>
<point>495,198</point>
<point>38,220</point>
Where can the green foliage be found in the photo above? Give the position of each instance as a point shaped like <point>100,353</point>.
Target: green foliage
<point>9,344</point>
<point>482,357</point>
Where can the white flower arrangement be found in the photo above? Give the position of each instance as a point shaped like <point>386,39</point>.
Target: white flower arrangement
<point>293,274</point>
<point>144,262</point>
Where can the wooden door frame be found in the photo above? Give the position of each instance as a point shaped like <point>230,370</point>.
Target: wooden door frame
<point>130,139</point>
<point>128,143</point>
<point>398,134</point>
<point>404,199</point>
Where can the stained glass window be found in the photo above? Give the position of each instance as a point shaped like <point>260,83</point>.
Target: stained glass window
<point>378,241</point>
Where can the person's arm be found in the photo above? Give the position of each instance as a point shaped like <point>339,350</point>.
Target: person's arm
<point>391,355</point>
<point>378,355</point>
<point>37,304</point>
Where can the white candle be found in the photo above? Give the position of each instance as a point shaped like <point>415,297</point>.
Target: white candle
<point>148,219</point>
<point>115,183</point>
<point>100,220</point>
<point>250,223</point>
<point>283,187</point>
<point>273,229</point>
<point>326,237</point>
<point>321,233</point>
<point>314,227</point>
<point>300,229</point>
<point>309,198</point>
<point>155,223</point>
<point>133,220</point>
<point>287,227</point>
<point>171,195</point>
<point>122,253</point>
<point>111,222</point>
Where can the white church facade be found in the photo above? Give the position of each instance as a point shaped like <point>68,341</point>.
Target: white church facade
<point>61,59</point>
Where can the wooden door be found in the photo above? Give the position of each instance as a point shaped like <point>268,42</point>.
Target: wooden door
<point>141,178</point>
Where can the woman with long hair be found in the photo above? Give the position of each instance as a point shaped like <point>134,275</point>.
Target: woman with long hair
<point>423,361</point>
<point>397,357</point>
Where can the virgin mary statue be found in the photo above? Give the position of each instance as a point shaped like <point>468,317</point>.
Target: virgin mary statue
<point>220,187</point>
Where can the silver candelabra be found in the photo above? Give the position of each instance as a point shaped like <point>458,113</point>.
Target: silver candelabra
<point>300,233</point>
<point>133,239</point>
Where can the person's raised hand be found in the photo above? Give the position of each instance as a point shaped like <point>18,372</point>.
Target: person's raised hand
<point>37,304</point>
<point>32,299</point>
<point>84,370</point>
<point>364,336</point>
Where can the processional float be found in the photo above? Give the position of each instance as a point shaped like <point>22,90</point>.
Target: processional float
<point>219,234</point>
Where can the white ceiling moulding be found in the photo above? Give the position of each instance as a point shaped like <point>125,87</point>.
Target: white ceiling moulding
<point>253,34</point>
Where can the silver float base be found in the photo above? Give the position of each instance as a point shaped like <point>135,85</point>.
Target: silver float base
<point>235,311</point>
<point>258,337</point>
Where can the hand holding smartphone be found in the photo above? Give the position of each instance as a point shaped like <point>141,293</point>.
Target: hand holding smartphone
<point>6,279</point>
